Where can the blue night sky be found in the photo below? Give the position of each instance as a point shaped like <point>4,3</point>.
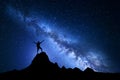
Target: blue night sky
<point>77,33</point>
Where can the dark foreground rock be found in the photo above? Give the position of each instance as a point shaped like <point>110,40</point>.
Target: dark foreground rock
<point>42,69</point>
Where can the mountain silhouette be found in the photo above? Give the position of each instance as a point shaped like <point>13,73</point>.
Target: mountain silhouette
<point>88,70</point>
<point>42,69</point>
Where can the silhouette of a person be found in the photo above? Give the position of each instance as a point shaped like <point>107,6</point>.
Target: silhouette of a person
<point>38,45</point>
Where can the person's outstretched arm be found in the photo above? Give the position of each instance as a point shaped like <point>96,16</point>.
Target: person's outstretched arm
<point>41,41</point>
<point>34,42</point>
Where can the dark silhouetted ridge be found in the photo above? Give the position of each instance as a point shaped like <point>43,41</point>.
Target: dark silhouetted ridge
<point>88,70</point>
<point>42,69</point>
<point>40,59</point>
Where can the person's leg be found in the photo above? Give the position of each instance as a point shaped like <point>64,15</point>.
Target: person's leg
<point>37,50</point>
<point>41,49</point>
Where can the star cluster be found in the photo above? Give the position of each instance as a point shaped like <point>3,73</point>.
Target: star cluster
<point>75,52</point>
<point>77,33</point>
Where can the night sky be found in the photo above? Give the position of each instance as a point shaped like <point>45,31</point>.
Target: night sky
<point>77,33</point>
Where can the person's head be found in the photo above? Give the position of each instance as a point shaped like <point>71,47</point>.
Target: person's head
<point>38,41</point>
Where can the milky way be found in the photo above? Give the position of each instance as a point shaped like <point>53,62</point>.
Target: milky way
<point>69,50</point>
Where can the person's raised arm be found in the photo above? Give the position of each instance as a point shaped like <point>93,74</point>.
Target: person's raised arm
<point>34,42</point>
<point>41,41</point>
